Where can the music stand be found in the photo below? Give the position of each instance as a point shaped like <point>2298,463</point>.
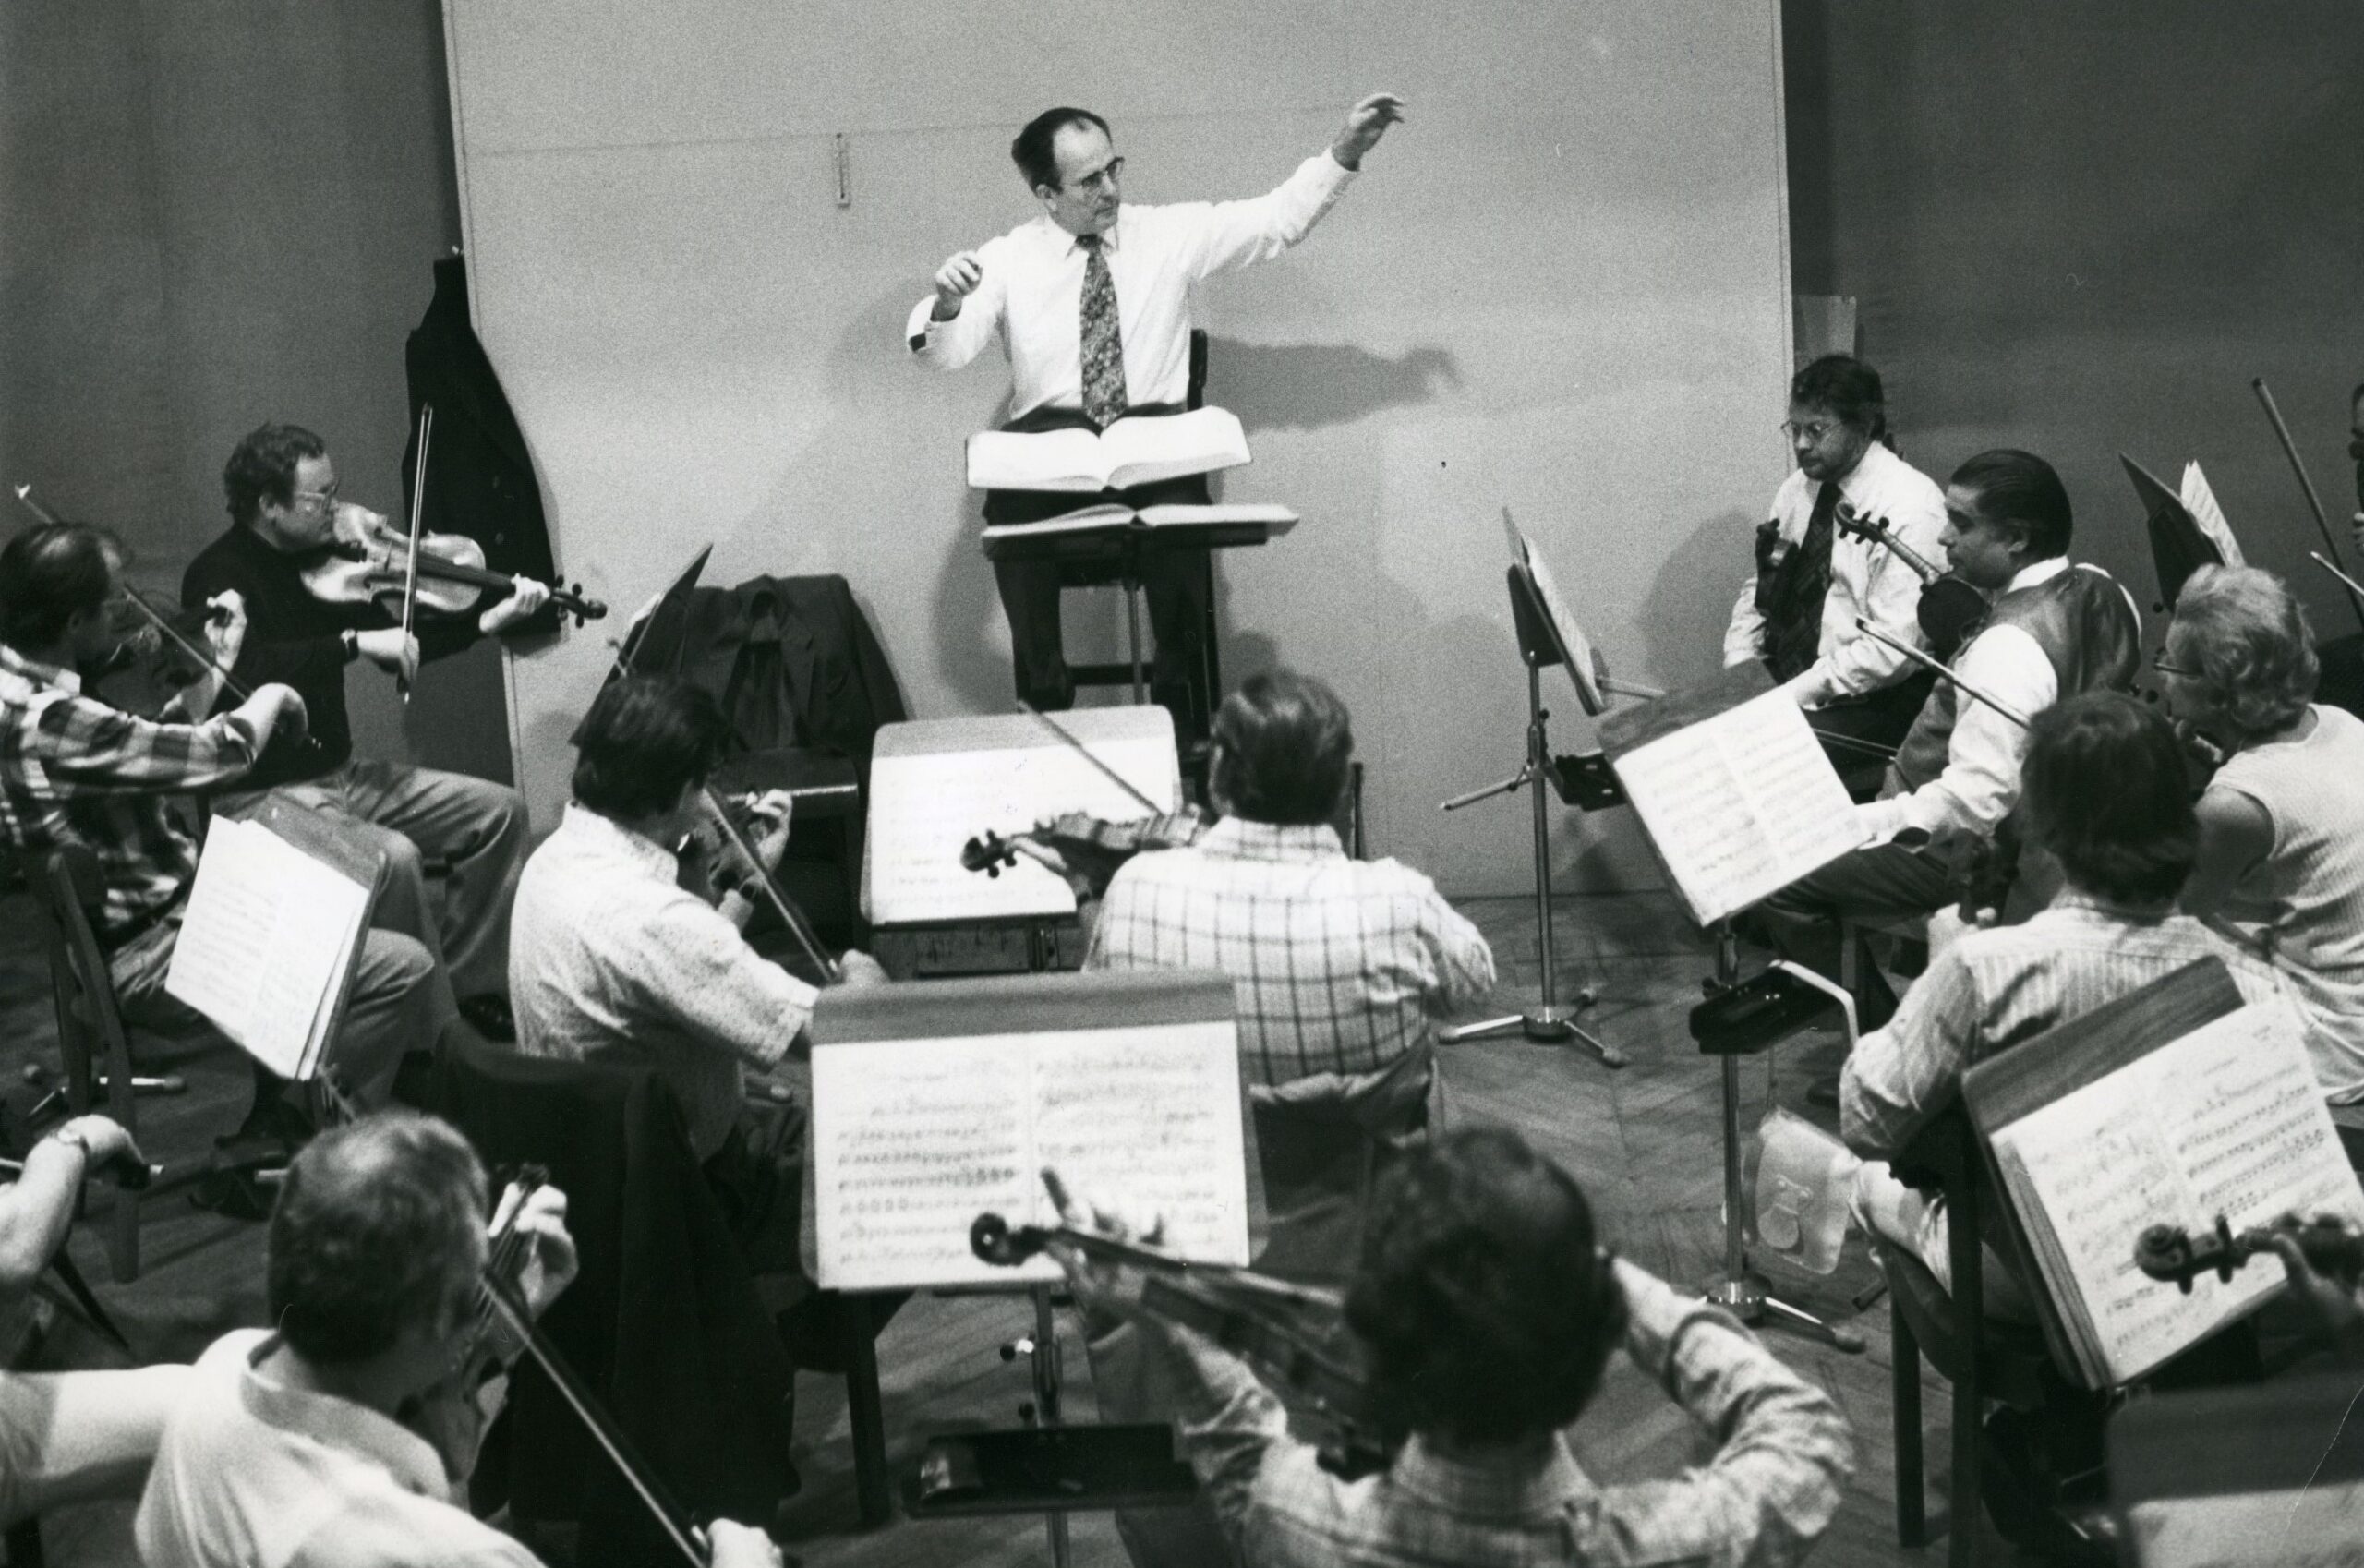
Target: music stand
<point>1540,647</point>
<point>2178,546</point>
<point>660,638</point>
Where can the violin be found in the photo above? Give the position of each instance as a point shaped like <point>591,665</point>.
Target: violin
<point>1082,849</point>
<point>1291,1335</point>
<point>2171,1254</point>
<point>1949,604</point>
<point>448,1415</point>
<point>369,563</point>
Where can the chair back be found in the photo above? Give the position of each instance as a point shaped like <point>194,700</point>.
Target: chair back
<point>663,1323</point>
<point>66,888</point>
<point>1320,1142</point>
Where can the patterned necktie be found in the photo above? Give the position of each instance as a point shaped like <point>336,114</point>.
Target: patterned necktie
<point>1103,343</point>
<point>1790,593</point>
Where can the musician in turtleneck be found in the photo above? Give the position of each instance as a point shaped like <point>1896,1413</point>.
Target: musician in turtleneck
<point>282,489</point>
<point>1797,610</point>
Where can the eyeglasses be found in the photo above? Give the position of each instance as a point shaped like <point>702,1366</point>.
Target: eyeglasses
<point>1102,178</point>
<point>327,498</point>
<point>1812,429</point>
<point>2166,666</point>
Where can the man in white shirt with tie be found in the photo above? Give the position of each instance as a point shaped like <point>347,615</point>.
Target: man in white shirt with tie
<point>1090,303</point>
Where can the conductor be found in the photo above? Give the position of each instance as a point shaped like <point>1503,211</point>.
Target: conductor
<point>1090,303</point>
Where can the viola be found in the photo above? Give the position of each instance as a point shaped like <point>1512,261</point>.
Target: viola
<point>1291,1334</point>
<point>1082,849</point>
<point>369,563</point>
<point>1950,604</point>
<point>2171,1254</point>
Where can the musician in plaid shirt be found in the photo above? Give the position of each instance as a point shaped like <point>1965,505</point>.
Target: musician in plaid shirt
<point>1343,966</point>
<point>74,770</point>
<point>1486,1316</point>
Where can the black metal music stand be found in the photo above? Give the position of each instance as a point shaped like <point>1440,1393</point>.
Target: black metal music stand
<point>1540,647</point>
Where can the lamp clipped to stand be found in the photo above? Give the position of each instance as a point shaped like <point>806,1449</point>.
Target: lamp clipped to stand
<point>1582,781</point>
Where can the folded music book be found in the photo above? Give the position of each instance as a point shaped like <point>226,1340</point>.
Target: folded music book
<point>934,784</point>
<point>1169,516</point>
<point>2174,1104</point>
<point>272,934</point>
<point>1131,452</point>
<point>934,1104</point>
<point>1734,794</point>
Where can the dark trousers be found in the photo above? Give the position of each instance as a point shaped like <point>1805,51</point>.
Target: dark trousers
<point>1175,583</point>
<point>1860,734</point>
<point>1884,881</point>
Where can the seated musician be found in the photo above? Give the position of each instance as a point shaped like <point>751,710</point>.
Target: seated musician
<point>65,1437</point>
<point>1486,1314</point>
<point>612,961</point>
<point>1344,967</point>
<point>1091,304</point>
<point>2282,821</point>
<point>284,518</point>
<point>2055,629</point>
<point>1797,610</point>
<point>74,770</point>
<point>2105,798</point>
<point>340,1435</point>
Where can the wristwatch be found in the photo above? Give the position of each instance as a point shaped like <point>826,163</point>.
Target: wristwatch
<point>352,641</point>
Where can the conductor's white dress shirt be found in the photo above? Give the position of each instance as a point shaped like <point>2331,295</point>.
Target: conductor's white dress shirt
<point>1032,293</point>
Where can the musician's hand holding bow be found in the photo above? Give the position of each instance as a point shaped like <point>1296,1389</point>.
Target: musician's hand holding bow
<point>391,649</point>
<point>741,1546</point>
<point>225,630</point>
<point>2332,1308</point>
<point>525,598</point>
<point>550,1263</point>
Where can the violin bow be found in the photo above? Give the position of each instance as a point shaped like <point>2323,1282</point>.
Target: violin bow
<point>1065,734</point>
<point>1917,656</point>
<point>685,1537</point>
<point>2315,501</point>
<point>417,515</point>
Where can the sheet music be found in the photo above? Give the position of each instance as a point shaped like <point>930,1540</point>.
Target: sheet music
<point>913,1139</point>
<point>2200,500</point>
<point>923,808</point>
<point>267,944</point>
<point>1581,665</point>
<point>1131,452</point>
<point>2227,1120</point>
<point>1739,804</point>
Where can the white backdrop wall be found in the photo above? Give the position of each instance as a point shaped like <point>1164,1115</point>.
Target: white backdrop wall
<point>1561,287</point>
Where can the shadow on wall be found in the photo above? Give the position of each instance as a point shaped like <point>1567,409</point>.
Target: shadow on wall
<point>1683,620</point>
<point>1313,386</point>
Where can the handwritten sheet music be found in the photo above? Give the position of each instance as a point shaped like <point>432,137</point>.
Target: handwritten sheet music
<point>1739,804</point>
<point>913,1138</point>
<point>926,805</point>
<point>267,944</point>
<point>2225,1120</point>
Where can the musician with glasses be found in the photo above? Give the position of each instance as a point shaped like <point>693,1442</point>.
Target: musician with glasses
<point>302,1445</point>
<point>2281,858</point>
<point>1797,610</point>
<point>285,517</point>
<point>1090,302</point>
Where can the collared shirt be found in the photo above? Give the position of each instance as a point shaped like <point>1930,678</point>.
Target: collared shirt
<point>1865,579</point>
<point>610,960</point>
<point>255,1474</point>
<point>1341,965</point>
<point>74,770</point>
<point>1765,1498</point>
<point>1981,781</point>
<point>1992,989</point>
<point>1032,293</point>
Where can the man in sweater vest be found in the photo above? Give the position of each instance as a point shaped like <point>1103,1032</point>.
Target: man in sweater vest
<point>2055,629</point>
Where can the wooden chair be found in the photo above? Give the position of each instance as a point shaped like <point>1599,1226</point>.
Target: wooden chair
<point>1983,1359</point>
<point>1320,1143</point>
<point>91,1036</point>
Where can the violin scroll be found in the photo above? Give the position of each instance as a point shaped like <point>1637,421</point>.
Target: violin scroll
<point>2171,1254</point>
<point>988,852</point>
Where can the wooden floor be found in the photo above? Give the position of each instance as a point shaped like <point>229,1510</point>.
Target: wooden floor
<point>1642,1142</point>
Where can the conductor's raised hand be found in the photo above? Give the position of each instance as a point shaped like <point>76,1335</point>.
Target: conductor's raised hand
<point>956,281</point>
<point>1366,123</point>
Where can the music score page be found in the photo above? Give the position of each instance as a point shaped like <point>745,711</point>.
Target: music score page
<point>913,1138</point>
